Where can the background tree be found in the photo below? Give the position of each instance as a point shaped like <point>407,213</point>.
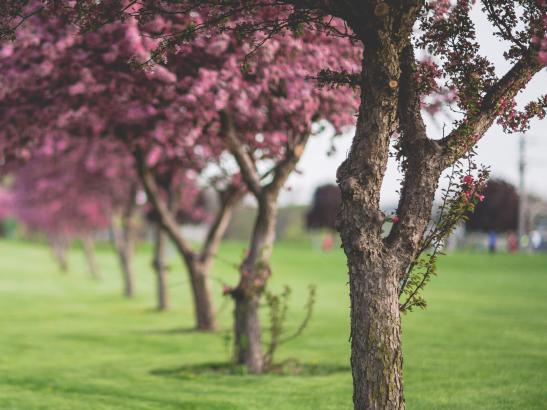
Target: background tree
<point>264,116</point>
<point>185,201</point>
<point>65,199</point>
<point>499,210</point>
<point>325,205</point>
<point>6,208</point>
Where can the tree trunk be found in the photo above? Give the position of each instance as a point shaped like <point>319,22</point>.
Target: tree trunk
<point>376,356</point>
<point>58,248</point>
<point>374,271</point>
<point>248,340</point>
<point>127,272</point>
<point>89,253</point>
<point>255,271</point>
<point>160,242</point>
<point>124,245</point>
<point>203,296</point>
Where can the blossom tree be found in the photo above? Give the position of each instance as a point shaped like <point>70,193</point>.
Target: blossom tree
<point>67,197</point>
<point>176,189</point>
<point>263,116</point>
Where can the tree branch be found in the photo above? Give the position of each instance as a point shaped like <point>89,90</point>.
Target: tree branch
<point>459,141</point>
<point>241,155</point>
<point>229,198</point>
<point>167,219</point>
<point>283,169</point>
<point>410,116</point>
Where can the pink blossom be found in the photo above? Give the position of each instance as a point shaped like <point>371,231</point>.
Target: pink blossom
<point>78,88</point>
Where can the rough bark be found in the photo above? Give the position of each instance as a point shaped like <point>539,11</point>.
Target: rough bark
<point>374,273</point>
<point>89,254</point>
<point>161,269</point>
<point>376,355</point>
<point>247,332</point>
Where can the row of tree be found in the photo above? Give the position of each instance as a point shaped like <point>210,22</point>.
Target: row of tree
<point>234,78</point>
<point>91,129</point>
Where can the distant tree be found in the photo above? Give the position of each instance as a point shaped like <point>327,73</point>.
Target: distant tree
<point>5,208</point>
<point>186,203</point>
<point>68,197</point>
<point>499,210</point>
<point>326,201</point>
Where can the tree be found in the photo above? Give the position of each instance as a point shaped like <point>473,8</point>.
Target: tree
<point>68,197</point>
<point>393,85</point>
<point>499,210</point>
<point>326,202</point>
<point>6,208</point>
<point>185,203</point>
<point>264,115</point>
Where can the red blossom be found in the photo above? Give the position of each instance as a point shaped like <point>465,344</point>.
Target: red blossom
<point>468,180</point>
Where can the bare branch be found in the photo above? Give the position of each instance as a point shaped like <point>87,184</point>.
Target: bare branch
<point>283,169</point>
<point>241,155</point>
<point>410,116</point>
<point>229,198</point>
<point>167,219</point>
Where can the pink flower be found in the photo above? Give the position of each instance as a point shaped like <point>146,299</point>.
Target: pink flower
<point>479,197</point>
<point>394,219</point>
<point>226,290</point>
<point>468,180</point>
<point>78,88</point>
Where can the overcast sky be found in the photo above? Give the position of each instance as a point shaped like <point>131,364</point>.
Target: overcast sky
<point>498,150</point>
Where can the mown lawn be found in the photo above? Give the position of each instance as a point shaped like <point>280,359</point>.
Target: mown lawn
<point>67,342</point>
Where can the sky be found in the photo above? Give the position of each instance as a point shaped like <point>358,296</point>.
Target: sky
<point>497,150</point>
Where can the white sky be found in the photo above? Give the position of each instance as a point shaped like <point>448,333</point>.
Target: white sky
<point>497,149</point>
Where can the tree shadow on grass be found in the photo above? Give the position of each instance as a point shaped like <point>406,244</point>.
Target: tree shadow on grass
<point>290,367</point>
<point>175,331</point>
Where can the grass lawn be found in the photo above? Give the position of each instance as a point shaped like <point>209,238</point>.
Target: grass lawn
<point>67,342</point>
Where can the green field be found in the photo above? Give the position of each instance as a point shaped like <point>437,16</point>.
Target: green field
<point>67,342</point>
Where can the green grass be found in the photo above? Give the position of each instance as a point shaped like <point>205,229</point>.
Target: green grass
<point>67,342</point>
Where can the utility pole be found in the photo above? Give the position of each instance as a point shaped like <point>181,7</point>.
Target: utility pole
<point>522,190</point>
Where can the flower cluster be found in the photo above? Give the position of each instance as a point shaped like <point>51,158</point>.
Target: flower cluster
<point>514,120</point>
<point>472,188</point>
